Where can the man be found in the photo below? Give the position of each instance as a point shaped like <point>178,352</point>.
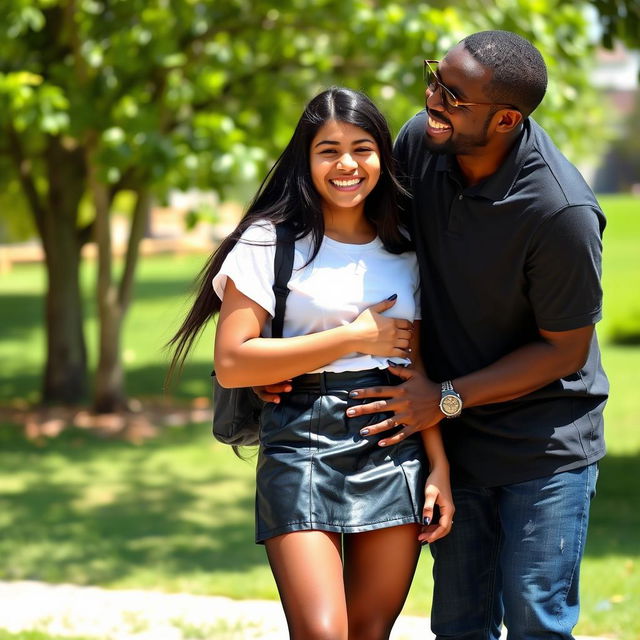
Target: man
<point>508,237</point>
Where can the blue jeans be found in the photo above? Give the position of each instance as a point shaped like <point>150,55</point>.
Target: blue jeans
<point>513,555</point>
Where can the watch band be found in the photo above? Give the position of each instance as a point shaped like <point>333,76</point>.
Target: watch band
<point>447,385</point>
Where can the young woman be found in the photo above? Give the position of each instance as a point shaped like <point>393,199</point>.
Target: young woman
<point>340,516</point>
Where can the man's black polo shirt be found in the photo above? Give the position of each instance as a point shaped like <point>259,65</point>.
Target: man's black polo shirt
<point>517,252</point>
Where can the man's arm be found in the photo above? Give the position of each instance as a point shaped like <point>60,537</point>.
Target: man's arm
<point>415,402</point>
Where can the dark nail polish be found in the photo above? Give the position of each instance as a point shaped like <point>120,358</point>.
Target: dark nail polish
<point>353,394</point>
<point>426,521</point>
<point>393,297</point>
<point>364,432</point>
<point>424,542</point>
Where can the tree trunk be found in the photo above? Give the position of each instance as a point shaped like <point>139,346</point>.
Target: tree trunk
<point>109,393</point>
<point>113,299</point>
<point>65,377</point>
<point>56,218</point>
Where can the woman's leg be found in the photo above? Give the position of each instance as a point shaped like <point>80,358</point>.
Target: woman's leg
<point>307,566</point>
<point>378,569</point>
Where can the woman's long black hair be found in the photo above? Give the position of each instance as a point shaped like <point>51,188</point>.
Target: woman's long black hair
<point>287,196</point>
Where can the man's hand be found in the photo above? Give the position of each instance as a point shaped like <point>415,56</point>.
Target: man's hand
<point>414,403</point>
<point>271,392</point>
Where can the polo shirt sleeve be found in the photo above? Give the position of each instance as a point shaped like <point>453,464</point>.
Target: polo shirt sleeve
<point>250,265</point>
<point>564,269</point>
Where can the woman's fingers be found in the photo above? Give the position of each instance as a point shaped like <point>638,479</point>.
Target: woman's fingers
<point>404,325</point>
<point>271,392</point>
<point>430,496</point>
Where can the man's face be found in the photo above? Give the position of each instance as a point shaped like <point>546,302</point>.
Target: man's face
<point>464,130</point>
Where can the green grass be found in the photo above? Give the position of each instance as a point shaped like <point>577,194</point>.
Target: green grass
<point>176,513</point>
<point>621,268</point>
<point>220,631</point>
<point>159,303</point>
<point>37,635</point>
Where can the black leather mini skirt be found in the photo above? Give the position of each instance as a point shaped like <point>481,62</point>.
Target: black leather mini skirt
<point>315,470</point>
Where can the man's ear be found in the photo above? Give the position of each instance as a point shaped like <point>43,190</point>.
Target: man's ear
<point>508,120</point>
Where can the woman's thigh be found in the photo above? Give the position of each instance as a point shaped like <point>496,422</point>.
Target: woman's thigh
<point>307,567</point>
<point>378,568</point>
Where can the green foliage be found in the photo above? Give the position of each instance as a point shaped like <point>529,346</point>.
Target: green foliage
<point>16,224</point>
<point>561,32</point>
<point>205,93</point>
<point>619,20</point>
<point>148,95</point>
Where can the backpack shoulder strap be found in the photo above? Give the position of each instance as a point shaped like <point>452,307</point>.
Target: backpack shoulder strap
<point>283,267</point>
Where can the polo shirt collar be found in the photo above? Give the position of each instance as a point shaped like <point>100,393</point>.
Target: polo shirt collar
<point>498,185</point>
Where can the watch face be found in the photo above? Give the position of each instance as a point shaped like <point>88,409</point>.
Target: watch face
<point>450,405</point>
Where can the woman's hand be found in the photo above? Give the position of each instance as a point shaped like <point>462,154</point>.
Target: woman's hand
<point>271,392</point>
<point>437,491</point>
<point>378,335</point>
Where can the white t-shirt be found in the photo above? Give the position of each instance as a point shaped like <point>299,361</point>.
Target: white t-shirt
<point>331,291</point>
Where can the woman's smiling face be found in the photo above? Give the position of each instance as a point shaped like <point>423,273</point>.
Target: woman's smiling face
<point>345,165</point>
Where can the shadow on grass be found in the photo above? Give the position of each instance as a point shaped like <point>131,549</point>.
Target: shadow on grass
<point>141,381</point>
<point>24,385</point>
<point>61,525</point>
<point>21,313</point>
<point>615,517</point>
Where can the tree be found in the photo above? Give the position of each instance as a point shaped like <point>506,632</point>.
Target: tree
<point>619,20</point>
<point>98,97</point>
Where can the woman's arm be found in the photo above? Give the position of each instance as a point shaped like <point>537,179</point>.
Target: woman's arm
<point>244,359</point>
<point>437,488</point>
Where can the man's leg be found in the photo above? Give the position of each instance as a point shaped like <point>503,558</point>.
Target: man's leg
<point>544,529</point>
<point>467,582</point>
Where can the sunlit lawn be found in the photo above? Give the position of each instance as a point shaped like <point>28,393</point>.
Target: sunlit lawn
<point>177,512</point>
<point>36,635</point>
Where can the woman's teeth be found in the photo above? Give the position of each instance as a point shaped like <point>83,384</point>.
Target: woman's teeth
<point>347,183</point>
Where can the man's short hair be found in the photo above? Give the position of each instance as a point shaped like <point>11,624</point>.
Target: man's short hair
<point>519,71</point>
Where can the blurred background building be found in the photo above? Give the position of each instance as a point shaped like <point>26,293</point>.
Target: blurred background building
<point>616,75</point>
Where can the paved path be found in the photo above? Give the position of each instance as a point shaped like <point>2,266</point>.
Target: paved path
<point>144,615</point>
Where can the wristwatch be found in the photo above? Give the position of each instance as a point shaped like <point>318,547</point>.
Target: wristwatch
<point>450,400</point>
